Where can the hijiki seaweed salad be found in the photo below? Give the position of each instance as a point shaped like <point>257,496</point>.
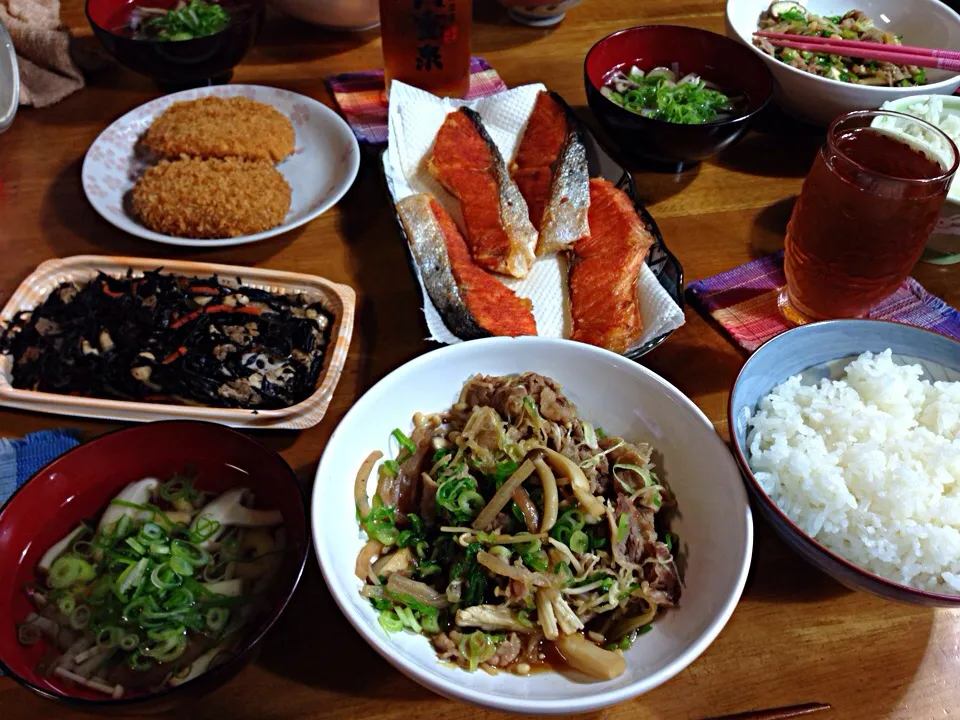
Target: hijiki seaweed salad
<point>517,535</point>
<point>163,338</point>
<point>155,593</point>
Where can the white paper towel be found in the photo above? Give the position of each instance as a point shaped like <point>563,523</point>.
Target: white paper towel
<point>415,118</point>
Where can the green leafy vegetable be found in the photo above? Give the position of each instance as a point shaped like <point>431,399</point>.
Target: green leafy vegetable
<point>186,22</point>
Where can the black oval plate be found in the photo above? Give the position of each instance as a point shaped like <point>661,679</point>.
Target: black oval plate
<point>664,264</point>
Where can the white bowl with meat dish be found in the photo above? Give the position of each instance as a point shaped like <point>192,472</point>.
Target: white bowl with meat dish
<point>816,88</point>
<point>537,538</point>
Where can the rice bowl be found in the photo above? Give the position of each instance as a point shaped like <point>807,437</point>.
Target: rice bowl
<point>869,466</point>
<point>821,351</point>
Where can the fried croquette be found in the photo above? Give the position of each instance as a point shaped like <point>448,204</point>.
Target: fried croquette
<point>214,127</point>
<point>211,198</point>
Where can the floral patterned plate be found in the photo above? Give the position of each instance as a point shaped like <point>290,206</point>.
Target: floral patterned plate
<point>322,168</point>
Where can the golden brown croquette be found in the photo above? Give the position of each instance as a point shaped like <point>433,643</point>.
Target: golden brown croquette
<point>211,198</point>
<point>214,127</point>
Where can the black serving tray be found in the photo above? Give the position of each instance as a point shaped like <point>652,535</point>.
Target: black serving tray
<point>664,264</point>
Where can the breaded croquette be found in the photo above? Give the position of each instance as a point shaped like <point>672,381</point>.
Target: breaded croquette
<point>211,198</point>
<point>214,127</point>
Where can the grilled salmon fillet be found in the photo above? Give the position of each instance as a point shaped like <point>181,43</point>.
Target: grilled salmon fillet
<point>551,171</point>
<point>472,303</point>
<point>467,163</point>
<point>604,271</point>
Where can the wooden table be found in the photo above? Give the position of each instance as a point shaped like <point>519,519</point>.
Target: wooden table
<point>796,637</point>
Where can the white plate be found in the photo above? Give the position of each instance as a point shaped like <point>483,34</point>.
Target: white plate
<point>715,525</point>
<point>322,168</point>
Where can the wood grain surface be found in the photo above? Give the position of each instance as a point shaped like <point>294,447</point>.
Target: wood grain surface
<point>796,637</point>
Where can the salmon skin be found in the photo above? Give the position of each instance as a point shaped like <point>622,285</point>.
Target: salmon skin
<point>605,269</point>
<point>551,171</point>
<point>467,163</point>
<point>472,303</point>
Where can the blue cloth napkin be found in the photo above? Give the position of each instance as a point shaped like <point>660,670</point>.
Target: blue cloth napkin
<point>21,458</point>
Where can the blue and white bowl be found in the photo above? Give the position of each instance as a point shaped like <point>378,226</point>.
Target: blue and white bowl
<point>818,351</point>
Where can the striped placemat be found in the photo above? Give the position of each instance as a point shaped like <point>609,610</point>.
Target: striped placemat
<point>363,102</point>
<point>744,302</point>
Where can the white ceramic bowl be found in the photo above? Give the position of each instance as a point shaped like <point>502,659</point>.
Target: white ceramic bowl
<point>623,397</point>
<point>349,15</point>
<point>926,23</point>
<point>943,247</point>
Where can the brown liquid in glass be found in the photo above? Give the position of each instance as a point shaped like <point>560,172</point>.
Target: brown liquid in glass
<point>426,43</point>
<point>854,236</point>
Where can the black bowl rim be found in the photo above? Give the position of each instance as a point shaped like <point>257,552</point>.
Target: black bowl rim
<point>258,11</point>
<point>931,598</point>
<point>681,127</point>
<point>221,670</point>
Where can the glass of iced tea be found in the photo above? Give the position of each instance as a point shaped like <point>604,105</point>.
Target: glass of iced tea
<point>864,214</point>
<point>426,43</point>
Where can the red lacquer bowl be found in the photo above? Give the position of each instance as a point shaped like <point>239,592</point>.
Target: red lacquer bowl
<point>720,60</point>
<point>183,64</point>
<point>79,485</point>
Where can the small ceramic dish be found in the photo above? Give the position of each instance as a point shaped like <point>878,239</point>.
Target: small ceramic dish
<point>339,300</point>
<point>321,169</point>
<point>713,522</point>
<point>9,79</point>
<point>80,483</point>
<point>818,351</point>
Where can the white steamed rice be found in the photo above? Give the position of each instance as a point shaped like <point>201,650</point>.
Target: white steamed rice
<point>869,466</point>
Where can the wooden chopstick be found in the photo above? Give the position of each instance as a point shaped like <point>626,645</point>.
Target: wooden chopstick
<point>835,48</point>
<point>862,44</point>
<point>783,713</point>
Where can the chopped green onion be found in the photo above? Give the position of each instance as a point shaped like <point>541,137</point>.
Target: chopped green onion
<point>109,636</point>
<point>503,471</point>
<point>579,542</point>
<point>129,642</point>
<point>471,502</point>
<point>194,555</point>
<point>165,577</point>
<point>80,617</point>
<point>68,570</point>
<point>389,621</point>
<point>181,566</point>
<point>67,604</point>
<point>477,647</point>
<point>205,528</point>
<point>405,442</point>
<point>136,546</point>
<point>217,618</point>
<point>138,661</point>
<point>179,599</point>
<point>623,527</point>
<point>439,454</point>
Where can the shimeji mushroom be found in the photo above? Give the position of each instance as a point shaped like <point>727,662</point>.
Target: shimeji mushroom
<point>227,510</point>
<point>59,549</point>
<point>137,493</point>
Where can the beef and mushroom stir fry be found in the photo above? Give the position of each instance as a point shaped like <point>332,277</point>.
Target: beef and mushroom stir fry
<point>163,338</point>
<point>794,19</point>
<point>514,533</point>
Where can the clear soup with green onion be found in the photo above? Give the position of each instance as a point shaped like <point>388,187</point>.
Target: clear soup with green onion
<point>156,591</point>
<point>663,94</point>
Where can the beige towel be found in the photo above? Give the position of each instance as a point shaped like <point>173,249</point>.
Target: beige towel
<point>48,72</point>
